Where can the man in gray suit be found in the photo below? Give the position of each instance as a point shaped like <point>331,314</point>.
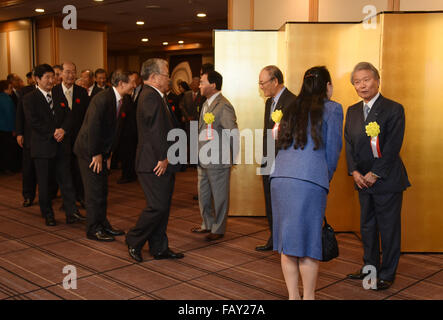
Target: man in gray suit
<point>215,156</point>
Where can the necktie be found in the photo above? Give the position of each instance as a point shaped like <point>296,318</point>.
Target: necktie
<point>366,110</point>
<point>272,108</point>
<point>68,95</point>
<point>205,107</point>
<point>49,99</point>
<point>120,102</point>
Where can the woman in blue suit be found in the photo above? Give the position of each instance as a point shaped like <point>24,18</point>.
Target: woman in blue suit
<point>309,143</point>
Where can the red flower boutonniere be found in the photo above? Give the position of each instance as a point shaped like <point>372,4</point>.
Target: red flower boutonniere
<point>62,104</point>
<point>77,100</point>
<point>173,108</point>
<point>123,115</point>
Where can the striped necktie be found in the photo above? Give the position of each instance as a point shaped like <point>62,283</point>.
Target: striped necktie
<point>49,99</point>
<point>366,110</point>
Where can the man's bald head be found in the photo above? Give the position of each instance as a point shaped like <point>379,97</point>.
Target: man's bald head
<point>69,73</point>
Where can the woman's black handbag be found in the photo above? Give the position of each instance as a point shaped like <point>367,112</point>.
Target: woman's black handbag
<point>329,242</point>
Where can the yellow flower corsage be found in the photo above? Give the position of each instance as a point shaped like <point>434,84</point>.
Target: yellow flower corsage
<point>209,117</point>
<point>372,129</point>
<point>276,116</point>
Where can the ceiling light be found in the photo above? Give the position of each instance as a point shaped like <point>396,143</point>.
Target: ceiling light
<point>201,15</point>
<point>181,42</point>
<point>145,40</point>
<point>140,23</point>
<point>39,10</point>
<point>165,43</point>
<point>98,0</point>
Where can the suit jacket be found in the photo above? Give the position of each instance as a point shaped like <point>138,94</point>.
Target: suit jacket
<point>15,98</point>
<point>153,125</point>
<point>225,118</point>
<point>316,166</point>
<point>390,117</point>
<point>95,90</point>
<point>43,122</point>
<point>191,108</point>
<point>22,127</point>
<point>286,99</point>
<point>97,133</point>
<point>126,121</point>
<point>80,101</point>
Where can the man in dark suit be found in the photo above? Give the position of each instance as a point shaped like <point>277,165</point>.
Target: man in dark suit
<point>101,78</point>
<point>154,121</point>
<point>76,98</point>
<point>279,98</point>
<point>87,77</point>
<point>126,138</point>
<point>23,131</point>
<point>50,144</point>
<point>16,82</point>
<point>93,148</point>
<point>378,171</point>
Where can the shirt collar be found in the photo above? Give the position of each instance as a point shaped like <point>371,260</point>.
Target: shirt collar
<point>277,96</point>
<point>65,88</point>
<point>117,95</point>
<point>372,101</point>
<point>161,93</point>
<point>212,98</point>
<point>45,93</point>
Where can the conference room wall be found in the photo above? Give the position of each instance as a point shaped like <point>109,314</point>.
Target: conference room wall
<point>15,49</point>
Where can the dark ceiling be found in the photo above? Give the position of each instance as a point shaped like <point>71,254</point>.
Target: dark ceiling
<point>165,20</point>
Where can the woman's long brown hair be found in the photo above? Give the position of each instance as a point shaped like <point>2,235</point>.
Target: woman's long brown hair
<point>308,106</point>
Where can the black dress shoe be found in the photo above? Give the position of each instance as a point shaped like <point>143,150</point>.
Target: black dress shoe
<point>79,216</point>
<point>27,203</point>
<point>50,221</point>
<point>100,236</point>
<point>114,232</point>
<point>135,254</point>
<point>168,254</point>
<point>358,275</point>
<point>383,284</point>
<point>214,236</point>
<point>266,247</point>
<point>71,219</point>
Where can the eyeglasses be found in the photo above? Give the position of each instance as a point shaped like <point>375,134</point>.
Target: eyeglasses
<point>265,82</point>
<point>164,75</point>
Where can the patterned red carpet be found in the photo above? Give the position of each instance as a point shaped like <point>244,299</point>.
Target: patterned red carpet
<point>32,257</point>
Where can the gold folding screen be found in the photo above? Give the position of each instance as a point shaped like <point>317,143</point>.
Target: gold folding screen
<point>408,50</point>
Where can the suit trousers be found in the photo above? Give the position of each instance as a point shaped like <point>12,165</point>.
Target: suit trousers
<point>268,203</point>
<point>29,178</point>
<point>96,196</point>
<point>153,221</point>
<point>381,218</point>
<point>213,196</point>
<point>60,166</point>
<point>128,148</point>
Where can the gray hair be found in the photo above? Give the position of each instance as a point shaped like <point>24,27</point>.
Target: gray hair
<point>151,66</point>
<point>275,73</point>
<point>120,75</point>
<point>365,66</point>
